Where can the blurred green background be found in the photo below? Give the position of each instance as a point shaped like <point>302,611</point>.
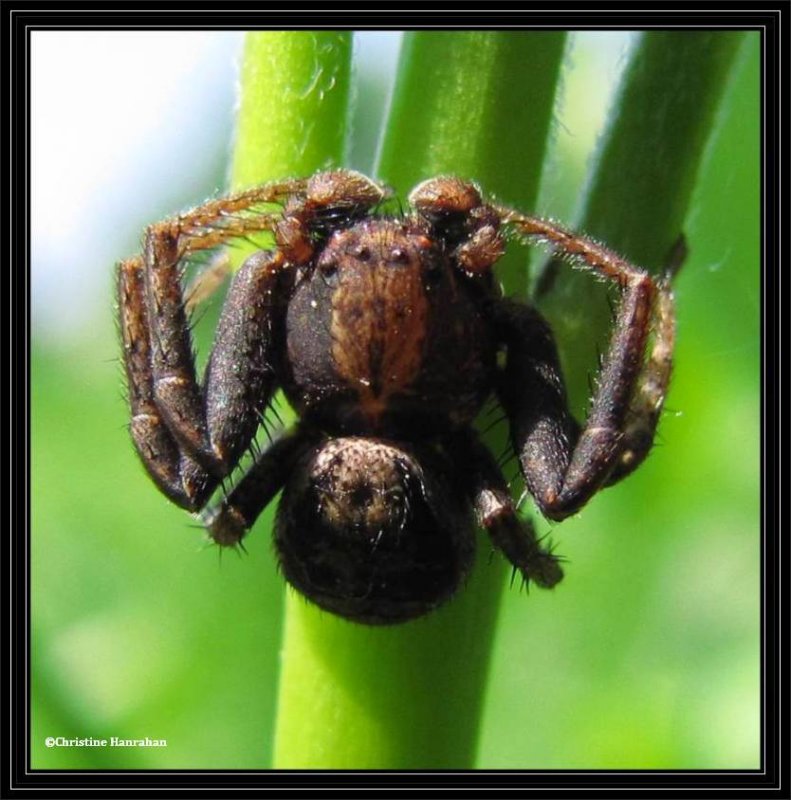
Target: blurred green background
<point>647,656</point>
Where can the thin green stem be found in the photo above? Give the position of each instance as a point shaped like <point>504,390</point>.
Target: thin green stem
<point>294,104</point>
<point>477,105</point>
<point>642,181</point>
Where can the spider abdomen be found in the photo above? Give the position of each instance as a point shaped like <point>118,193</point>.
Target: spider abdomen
<point>366,531</point>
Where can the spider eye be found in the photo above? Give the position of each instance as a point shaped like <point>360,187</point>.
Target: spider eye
<point>329,271</point>
<point>398,255</point>
<point>362,252</point>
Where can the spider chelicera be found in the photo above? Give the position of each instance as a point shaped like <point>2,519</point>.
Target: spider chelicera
<point>387,334</point>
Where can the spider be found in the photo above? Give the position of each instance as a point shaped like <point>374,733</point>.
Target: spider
<point>387,334</point>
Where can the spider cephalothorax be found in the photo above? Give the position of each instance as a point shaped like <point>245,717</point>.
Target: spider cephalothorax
<point>384,333</point>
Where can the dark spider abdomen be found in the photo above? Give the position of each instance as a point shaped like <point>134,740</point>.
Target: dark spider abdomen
<point>384,335</point>
<point>369,530</point>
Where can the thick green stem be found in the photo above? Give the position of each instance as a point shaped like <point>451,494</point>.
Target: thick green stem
<point>639,190</point>
<point>477,105</point>
<point>292,121</point>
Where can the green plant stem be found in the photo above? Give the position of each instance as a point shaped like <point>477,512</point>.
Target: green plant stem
<point>292,121</point>
<point>642,181</point>
<point>294,104</point>
<point>477,105</point>
<point>410,696</point>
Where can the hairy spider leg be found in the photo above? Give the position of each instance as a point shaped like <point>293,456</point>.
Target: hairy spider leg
<point>223,416</point>
<point>563,468</point>
<point>229,521</point>
<point>153,441</point>
<point>201,426</point>
<point>345,191</point>
<point>189,437</point>
<point>494,508</point>
<point>648,400</point>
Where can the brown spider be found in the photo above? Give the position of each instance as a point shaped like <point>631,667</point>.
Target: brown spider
<point>384,334</point>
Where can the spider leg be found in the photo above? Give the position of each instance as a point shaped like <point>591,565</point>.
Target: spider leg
<point>208,281</point>
<point>229,521</point>
<point>201,428</point>
<point>563,466</point>
<point>155,444</point>
<point>496,513</point>
<point>190,438</point>
<point>646,405</point>
<point>217,221</point>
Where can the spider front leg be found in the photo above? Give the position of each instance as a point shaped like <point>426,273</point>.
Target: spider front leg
<point>154,443</point>
<point>563,465</point>
<point>186,454</point>
<point>164,395</point>
<point>190,437</point>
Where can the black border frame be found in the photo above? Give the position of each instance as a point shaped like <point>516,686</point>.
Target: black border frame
<point>17,21</point>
